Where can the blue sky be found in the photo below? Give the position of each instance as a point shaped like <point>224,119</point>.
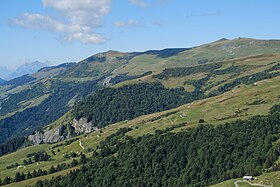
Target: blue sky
<point>61,31</point>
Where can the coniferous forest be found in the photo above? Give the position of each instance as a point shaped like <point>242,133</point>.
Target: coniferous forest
<point>110,105</point>
<point>200,156</point>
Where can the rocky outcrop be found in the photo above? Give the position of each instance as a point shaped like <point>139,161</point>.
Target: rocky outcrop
<point>53,135</point>
<point>47,136</point>
<point>82,126</point>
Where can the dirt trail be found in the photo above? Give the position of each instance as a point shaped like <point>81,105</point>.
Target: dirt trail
<point>20,167</point>
<point>81,144</point>
<point>252,184</point>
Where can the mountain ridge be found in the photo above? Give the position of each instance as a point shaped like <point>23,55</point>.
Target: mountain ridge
<point>115,68</point>
<point>2,81</point>
<point>24,69</point>
<point>5,72</point>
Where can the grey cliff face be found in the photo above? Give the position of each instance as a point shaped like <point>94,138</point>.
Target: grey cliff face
<point>82,126</point>
<point>54,135</point>
<point>47,136</point>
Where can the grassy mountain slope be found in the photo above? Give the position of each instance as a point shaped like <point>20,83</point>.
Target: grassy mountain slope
<point>105,66</point>
<point>202,155</point>
<point>221,73</point>
<point>272,179</point>
<point>237,78</point>
<point>216,110</point>
<point>201,81</point>
<point>66,84</point>
<point>116,63</point>
<point>213,52</point>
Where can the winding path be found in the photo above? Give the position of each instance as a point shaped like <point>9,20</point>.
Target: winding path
<point>252,184</point>
<point>20,167</point>
<point>81,144</point>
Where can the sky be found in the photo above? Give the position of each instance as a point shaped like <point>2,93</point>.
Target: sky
<point>59,31</point>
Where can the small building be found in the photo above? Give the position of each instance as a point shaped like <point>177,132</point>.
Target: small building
<point>248,178</point>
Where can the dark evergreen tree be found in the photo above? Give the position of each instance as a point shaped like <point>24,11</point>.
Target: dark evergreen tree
<point>74,163</point>
<point>51,170</point>
<point>83,159</point>
<point>28,176</point>
<point>18,177</point>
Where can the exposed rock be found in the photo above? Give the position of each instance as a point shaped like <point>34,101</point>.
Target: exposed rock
<point>54,135</point>
<point>47,136</point>
<point>82,126</point>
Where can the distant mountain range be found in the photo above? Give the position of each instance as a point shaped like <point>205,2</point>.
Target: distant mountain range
<point>5,72</point>
<point>27,68</point>
<point>2,80</point>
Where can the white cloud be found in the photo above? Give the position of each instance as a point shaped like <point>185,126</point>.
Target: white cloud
<point>71,32</point>
<point>83,12</point>
<point>140,3</point>
<point>38,21</point>
<point>129,23</point>
<point>82,18</point>
<point>87,38</point>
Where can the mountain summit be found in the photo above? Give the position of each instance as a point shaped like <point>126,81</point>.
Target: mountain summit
<point>27,68</point>
<point>1,81</point>
<point>5,72</point>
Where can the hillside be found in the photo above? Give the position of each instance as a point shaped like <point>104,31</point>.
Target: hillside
<point>71,108</point>
<point>172,67</point>
<point>223,109</point>
<point>154,160</point>
<point>268,179</point>
<point>136,63</point>
<point>203,130</point>
<point>199,82</point>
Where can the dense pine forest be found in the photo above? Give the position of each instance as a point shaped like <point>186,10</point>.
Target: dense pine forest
<point>12,145</point>
<point>200,156</point>
<point>109,105</point>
